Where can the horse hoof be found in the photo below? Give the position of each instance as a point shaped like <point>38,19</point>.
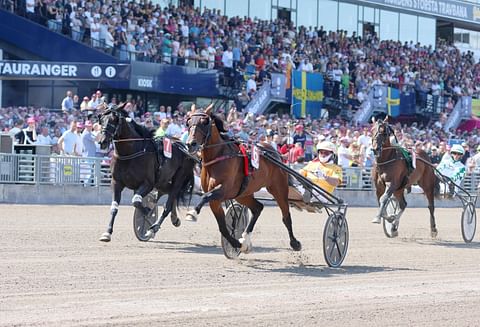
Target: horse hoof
<point>191,216</point>
<point>177,222</point>
<point>149,234</point>
<point>434,234</point>
<point>106,237</point>
<point>376,220</point>
<point>394,233</point>
<point>296,245</point>
<point>246,243</point>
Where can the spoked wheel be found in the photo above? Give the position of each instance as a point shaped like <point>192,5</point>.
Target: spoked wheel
<point>236,219</point>
<point>469,222</point>
<point>389,219</point>
<point>335,239</point>
<point>141,223</point>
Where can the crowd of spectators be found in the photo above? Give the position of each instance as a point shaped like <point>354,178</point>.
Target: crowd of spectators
<point>248,49</point>
<point>296,140</point>
<point>245,46</point>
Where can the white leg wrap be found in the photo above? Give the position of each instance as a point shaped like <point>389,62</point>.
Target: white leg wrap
<point>114,205</point>
<point>246,243</point>
<point>137,198</point>
<point>191,215</point>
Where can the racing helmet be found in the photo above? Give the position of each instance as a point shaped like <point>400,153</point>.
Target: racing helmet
<point>327,146</point>
<point>457,148</point>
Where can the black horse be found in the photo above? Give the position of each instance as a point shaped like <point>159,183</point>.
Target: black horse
<point>139,165</point>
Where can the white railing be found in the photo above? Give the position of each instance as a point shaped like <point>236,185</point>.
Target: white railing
<point>66,170</point>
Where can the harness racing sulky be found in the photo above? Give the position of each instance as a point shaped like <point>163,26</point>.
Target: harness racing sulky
<point>392,174</point>
<point>226,176</point>
<point>140,164</point>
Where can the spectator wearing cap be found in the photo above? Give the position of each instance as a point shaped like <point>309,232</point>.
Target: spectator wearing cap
<point>88,140</point>
<point>299,135</point>
<point>28,135</point>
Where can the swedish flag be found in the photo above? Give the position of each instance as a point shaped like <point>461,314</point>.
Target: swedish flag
<point>393,102</point>
<point>307,94</point>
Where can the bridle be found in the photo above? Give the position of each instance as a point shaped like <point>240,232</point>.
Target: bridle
<point>112,130</point>
<point>207,134</point>
<point>381,137</point>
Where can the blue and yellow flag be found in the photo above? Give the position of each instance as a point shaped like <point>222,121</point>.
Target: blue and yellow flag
<point>393,102</point>
<point>307,94</point>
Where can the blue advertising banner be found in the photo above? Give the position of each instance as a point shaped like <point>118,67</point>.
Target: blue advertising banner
<point>307,94</point>
<point>174,79</point>
<point>23,69</point>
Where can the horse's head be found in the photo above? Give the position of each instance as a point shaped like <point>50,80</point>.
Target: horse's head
<point>199,125</point>
<point>111,123</point>
<point>381,132</point>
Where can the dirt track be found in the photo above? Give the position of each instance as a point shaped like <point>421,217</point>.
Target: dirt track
<point>54,272</point>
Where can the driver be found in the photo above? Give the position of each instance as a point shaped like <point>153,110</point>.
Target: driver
<point>323,171</point>
<point>452,167</point>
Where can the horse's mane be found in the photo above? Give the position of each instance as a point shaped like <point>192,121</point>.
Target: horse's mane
<point>219,123</point>
<point>142,130</point>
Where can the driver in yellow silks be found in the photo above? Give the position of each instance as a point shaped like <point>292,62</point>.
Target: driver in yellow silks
<point>323,171</point>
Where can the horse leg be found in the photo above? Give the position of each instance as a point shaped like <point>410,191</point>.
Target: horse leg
<point>172,196</point>
<point>280,194</point>
<point>216,207</point>
<point>215,194</point>
<point>117,195</point>
<point>379,190</point>
<point>431,207</point>
<point>256,208</point>
<point>400,196</point>
<point>383,202</point>
<point>137,198</point>
<point>174,216</point>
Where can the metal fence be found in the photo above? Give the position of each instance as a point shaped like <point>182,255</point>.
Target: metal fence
<point>54,170</point>
<point>66,170</point>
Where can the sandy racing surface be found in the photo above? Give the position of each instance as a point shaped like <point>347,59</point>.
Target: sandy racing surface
<point>54,272</point>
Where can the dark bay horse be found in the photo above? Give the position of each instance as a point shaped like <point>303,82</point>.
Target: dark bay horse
<point>223,178</point>
<point>138,165</point>
<point>391,174</point>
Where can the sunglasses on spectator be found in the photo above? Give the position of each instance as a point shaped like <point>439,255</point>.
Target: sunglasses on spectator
<point>456,153</point>
<point>148,121</point>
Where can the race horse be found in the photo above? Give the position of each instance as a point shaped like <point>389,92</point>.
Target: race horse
<point>391,174</point>
<point>138,165</point>
<point>223,177</point>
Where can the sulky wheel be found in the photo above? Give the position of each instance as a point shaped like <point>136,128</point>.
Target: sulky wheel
<point>335,239</point>
<point>469,222</point>
<point>141,223</point>
<point>389,218</point>
<point>236,219</point>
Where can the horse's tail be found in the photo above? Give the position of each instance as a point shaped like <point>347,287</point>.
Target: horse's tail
<point>186,191</point>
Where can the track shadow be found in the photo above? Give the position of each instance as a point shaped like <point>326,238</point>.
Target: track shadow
<point>191,247</point>
<point>444,243</point>
<point>320,271</point>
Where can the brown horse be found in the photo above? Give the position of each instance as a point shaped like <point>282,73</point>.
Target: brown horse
<point>391,174</point>
<point>223,177</point>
